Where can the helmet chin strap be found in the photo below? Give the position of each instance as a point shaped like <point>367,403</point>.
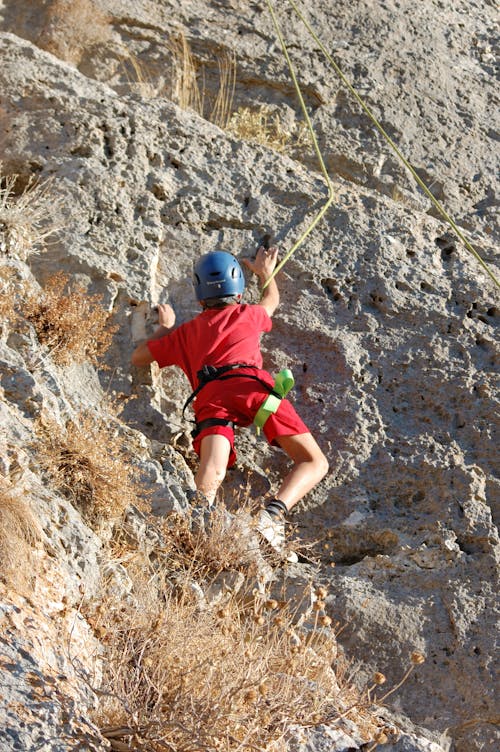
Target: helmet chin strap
<point>221,302</point>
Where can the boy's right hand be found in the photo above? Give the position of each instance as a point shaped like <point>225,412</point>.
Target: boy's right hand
<point>166,315</point>
<point>263,266</point>
<point>265,262</point>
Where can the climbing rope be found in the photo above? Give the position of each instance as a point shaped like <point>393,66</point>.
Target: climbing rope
<point>381,130</point>
<point>315,144</point>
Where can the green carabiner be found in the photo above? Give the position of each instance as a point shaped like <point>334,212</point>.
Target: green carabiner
<point>283,382</point>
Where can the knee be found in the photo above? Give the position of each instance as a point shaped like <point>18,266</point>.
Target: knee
<point>219,473</point>
<point>213,470</point>
<point>322,466</point>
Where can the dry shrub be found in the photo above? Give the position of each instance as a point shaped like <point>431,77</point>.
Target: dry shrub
<point>193,554</point>
<point>87,461</point>
<point>27,219</point>
<point>188,558</point>
<point>183,78</point>
<point>227,545</point>
<point>240,672</point>
<point>72,324</point>
<point>73,27</point>
<point>265,127</point>
<point>236,676</point>
<point>19,533</point>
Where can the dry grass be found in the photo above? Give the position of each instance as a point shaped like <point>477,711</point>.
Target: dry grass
<point>73,27</point>
<point>187,82</point>
<point>26,220</point>
<point>220,112</point>
<point>235,676</point>
<point>239,673</point>
<point>19,533</point>
<point>265,127</point>
<point>137,76</point>
<point>184,87</point>
<point>8,294</point>
<point>72,324</point>
<point>87,462</point>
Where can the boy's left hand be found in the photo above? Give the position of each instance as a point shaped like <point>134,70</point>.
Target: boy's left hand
<point>166,315</point>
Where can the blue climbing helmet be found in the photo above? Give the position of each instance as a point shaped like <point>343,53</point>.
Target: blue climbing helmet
<point>218,275</point>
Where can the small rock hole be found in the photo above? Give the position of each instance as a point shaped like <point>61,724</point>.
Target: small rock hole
<point>447,245</point>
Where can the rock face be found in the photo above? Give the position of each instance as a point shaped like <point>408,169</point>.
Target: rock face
<point>388,323</point>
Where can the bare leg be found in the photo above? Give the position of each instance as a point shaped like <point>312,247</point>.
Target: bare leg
<point>214,455</point>
<point>310,466</point>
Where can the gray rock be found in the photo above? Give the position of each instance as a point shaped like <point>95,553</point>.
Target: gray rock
<point>390,325</point>
<point>323,739</point>
<point>409,743</point>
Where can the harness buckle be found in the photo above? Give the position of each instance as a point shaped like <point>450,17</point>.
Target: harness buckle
<point>207,373</point>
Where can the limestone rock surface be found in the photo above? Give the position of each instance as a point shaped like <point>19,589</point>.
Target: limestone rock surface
<point>389,324</point>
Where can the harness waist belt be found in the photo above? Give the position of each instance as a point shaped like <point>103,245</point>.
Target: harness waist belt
<point>210,373</point>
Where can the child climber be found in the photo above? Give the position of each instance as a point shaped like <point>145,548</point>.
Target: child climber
<point>219,351</point>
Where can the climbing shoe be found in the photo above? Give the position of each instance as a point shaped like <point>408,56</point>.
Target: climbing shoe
<point>272,529</point>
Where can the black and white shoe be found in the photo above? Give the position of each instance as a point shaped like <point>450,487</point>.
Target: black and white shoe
<point>272,529</point>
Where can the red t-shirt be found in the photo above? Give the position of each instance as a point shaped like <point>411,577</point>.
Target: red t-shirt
<point>222,337</point>
<point>215,337</point>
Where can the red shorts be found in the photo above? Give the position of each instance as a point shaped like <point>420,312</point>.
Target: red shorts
<point>238,400</point>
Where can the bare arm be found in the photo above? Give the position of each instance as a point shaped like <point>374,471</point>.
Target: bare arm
<point>263,267</point>
<point>166,320</point>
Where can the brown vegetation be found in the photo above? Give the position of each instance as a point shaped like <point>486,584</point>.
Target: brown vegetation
<point>236,675</point>
<point>187,82</point>
<point>19,532</point>
<point>263,126</point>
<point>27,218</point>
<point>71,323</point>
<point>87,461</point>
<point>7,295</point>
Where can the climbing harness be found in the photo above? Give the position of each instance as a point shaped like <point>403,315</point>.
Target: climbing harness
<point>284,381</point>
<point>208,423</point>
<point>206,374</point>
<point>381,130</point>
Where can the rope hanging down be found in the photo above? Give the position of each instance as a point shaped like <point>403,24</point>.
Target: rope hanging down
<point>393,146</point>
<point>316,148</point>
<point>381,130</point>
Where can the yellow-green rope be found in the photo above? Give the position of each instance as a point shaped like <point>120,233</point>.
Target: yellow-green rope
<point>315,144</point>
<point>393,146</point>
